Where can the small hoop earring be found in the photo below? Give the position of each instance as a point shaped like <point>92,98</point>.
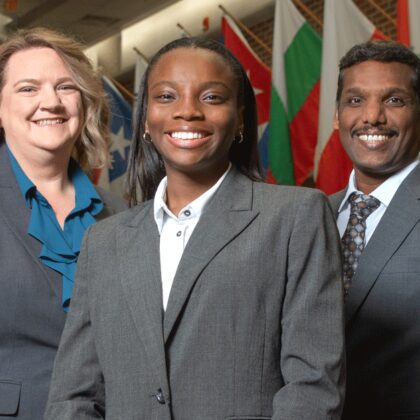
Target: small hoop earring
<point>147,138</point>
<point>239,137</point>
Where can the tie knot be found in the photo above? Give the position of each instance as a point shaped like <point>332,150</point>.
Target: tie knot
<point>362,205</point>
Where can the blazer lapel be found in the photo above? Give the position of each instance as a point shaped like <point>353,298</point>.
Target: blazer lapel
<point>397,222</point>
<point>226,215</point>
<point>16,216</point>
<point>138,253</point>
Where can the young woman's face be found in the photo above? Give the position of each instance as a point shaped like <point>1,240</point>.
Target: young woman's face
<point>193,113</point>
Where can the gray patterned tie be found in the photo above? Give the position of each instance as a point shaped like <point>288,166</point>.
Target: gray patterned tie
<point>353,240</point>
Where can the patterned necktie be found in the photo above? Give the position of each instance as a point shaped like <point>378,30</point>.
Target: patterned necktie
<point>353,240</point>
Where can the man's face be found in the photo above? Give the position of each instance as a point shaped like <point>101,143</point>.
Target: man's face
<point>378,117</point>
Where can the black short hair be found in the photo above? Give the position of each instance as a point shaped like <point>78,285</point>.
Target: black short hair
<point>384,52</point>
<point>146,169</point>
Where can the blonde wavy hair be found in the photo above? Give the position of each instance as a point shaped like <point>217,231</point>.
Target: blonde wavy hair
<point>92,148</point>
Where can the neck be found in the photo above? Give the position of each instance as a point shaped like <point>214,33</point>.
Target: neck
<point>182,189</point>
<point>367,183</point>
<point>46,169</point>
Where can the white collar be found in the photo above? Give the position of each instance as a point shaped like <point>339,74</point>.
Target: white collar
<point>385,191</point>
<point>195,208</point>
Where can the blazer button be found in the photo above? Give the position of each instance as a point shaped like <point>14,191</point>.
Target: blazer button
<point>159,396</point>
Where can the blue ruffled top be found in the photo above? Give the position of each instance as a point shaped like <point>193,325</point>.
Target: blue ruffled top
<point>60,247</point>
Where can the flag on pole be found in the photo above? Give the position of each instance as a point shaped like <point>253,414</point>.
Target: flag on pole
<point>344,26</point>
<point>408,29</point>
<point>259,75</point>
<point>294,110</point>
<point>113,178</point>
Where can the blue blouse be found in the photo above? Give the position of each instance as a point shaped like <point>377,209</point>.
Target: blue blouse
<point>60,247</point>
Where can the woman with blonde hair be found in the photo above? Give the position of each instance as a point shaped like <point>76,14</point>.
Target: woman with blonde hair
<point>54,123</point>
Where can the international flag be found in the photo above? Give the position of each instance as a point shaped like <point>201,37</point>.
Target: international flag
<point>344,26</point>
<point>113,178</point>
<point>408,29</point>
<point>259,75</point>
<point>294,110</point>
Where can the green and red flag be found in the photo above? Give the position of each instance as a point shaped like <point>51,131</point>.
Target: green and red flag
<point>294,96</point>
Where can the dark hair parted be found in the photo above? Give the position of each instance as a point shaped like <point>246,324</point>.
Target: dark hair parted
<point>146,168</point>
<point>384,52</point>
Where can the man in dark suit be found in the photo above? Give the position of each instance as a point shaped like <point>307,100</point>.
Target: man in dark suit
<point>378,117</point>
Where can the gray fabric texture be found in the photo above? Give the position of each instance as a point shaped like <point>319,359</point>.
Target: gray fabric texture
<point>31,315</point>
<point>383,313</point>
<point>254,322</point>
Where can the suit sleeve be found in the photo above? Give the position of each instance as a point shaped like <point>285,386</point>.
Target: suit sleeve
<point>77,386</point>
<point>312,350</point>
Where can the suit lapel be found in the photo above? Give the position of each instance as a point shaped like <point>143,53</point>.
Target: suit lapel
<point>226,215</point>
<point>16,215</point>
<point>335,201</point>
<point>138,253</point>
<point>397,222</point>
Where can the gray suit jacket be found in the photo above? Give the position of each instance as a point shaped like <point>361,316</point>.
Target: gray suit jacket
<point>31,316</point>
<point>383,314</point>
<point>253,326</point>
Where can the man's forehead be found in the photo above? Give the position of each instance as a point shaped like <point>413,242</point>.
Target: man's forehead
<point>369,74</point>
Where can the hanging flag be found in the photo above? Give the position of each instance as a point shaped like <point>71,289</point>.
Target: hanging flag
<point>113,178</point>
<point>259,75</point>
<point>294,96</point>
<point>408,30</point>
<point>344,26</point>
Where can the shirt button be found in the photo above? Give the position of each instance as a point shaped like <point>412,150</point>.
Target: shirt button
<point>159,396</point>
<point>179,233</point>
<point>187,213</point>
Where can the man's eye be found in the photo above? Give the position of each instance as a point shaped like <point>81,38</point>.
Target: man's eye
<point>354,100</point>
<point>396,101</point>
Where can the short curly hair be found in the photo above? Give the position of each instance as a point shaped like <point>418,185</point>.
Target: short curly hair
<point>384,52</point>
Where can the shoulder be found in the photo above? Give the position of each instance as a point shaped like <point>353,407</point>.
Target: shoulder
<point>107,227</point>
<point>336,199</point>
<point>112,203</point>
<point>282,195</point>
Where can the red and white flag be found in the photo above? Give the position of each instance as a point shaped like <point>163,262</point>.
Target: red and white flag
<point>259,75</point>
<point>408,28</point>
<point>344,26</point>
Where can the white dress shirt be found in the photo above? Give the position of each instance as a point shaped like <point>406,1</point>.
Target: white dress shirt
<point>384,193</point>
<point>176,231</point>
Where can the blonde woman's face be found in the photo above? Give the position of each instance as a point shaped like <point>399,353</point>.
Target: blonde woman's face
<point>41,108</point>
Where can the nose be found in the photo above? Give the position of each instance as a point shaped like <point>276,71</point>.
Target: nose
<point>50,99</point>
<point>374,112</point>
<point>188,108</point>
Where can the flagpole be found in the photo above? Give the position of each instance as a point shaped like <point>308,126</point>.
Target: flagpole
<point>308,11</point>
<point>382,11</point>
<point>184,30</point>
<point>255,37</point>
<point>141,54</point>
<point>121,88</point>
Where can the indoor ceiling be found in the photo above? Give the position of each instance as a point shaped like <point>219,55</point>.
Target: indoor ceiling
<point>89,20</point>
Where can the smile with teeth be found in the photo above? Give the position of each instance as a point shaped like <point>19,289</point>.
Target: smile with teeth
<point>49,122</point>
<point>373,137</point>
<point>187,135</point>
